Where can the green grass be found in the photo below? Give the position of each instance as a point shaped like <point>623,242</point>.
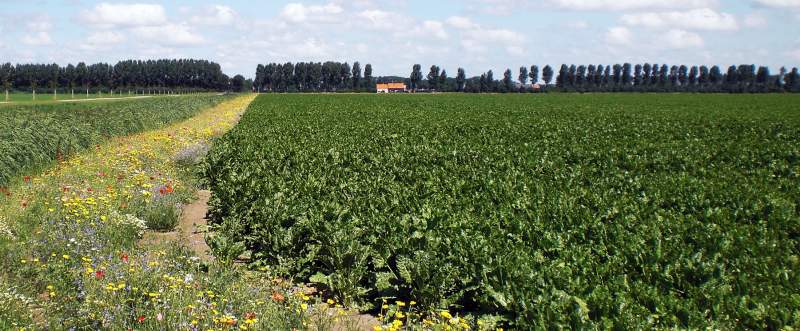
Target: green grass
<point>628,211</point>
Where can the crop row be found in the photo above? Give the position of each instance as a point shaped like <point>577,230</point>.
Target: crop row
<point>609,211</point>
<point>31,136</point>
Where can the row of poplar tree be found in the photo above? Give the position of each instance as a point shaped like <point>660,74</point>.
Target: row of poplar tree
<point>618,77</point>
<point>158,75</point>
<point>313,77</point>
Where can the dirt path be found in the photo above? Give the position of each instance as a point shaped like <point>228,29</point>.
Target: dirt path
<point>189,230</point>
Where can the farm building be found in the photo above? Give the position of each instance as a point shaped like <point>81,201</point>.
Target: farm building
<point>391,88</point>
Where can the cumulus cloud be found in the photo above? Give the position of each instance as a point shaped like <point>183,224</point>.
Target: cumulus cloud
<point>300,13</point>
<point>755,20</point>
<point>475,37</point>
<point>679,39</point>
<point>105,38</point>
<point>169,35</point>
<point>780,3</point>
<point>124,15</point>
<point>619,36</point>
<point>383,20</point>
<point>39,23</point>
<point>460,22</point>
<point>696,19</point>
<point>633,4</point>
<point>429,29</point>
<point>41,38</point>
<point>216,15</point>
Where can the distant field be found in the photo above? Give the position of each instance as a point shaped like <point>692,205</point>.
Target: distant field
<point>627,211</point>
<point>42,98</point>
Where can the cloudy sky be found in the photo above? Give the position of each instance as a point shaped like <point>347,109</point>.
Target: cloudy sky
<point>392,35</point>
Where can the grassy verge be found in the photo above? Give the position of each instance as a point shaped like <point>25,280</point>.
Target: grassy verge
<point>32,136</point>
<point>68,245</point>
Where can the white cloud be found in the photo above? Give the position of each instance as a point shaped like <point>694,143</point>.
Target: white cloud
<point>124,15</point>
<point>619,36</point>
<point>169,35</point>
<point>503,36</point>
<point>39,23</point>
<point>633,4</point>
<point>216,15</point>
<point>755,20</point>
<point>460,22</point>
<point>696,19</point>
<point>780,3</point>
<point>300,13</point>
<point>515,50</point>
<point>41,38</point>
<point>427,29</point>
<point>383,20</point>
<point>105,38</point>
<point>678,39</point>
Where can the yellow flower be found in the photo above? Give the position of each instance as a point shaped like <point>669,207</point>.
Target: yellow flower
<point>400,303</point>
<point>377,328</point>
<point>400,314</point>
<point>65,256</point>
<point>306,298</point>
<point>304,306</point>
<point>412,303</point>
<point>445,314</point>
<point>330,302</point>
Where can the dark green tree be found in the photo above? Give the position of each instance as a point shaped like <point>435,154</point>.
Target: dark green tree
<point>416,77</point>
<point>547,75</point>
<point>461,79</point>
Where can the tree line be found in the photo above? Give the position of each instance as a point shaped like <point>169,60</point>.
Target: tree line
<point>313,77</point>
<point>150,76</point>
<point>612,78</point>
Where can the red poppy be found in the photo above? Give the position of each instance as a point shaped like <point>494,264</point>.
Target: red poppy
<point>89,190</point>
<point>162,190</point>
<point>169,188</point>
<point>124,257</point>
<point>101,174</point>
<point>24,204</point>
<point>277,297</point>
<point>99,274</point>
<point>250,316</point>
<point>140,319</point>
<point>5,191</point>
<point>26,179</point>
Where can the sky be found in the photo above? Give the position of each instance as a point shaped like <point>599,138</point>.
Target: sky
<point>477,35</point>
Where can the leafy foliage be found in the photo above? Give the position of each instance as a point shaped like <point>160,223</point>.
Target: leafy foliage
<point>32,136</point>
<point>600,211</point>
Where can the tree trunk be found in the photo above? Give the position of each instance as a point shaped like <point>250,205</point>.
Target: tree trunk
<point>34,94</point>
<point>87,93</point>
<point>72,93</point>
<point>6,95</point>
<point>55,95</point>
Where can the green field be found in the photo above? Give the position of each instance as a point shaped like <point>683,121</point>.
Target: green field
<point>34,135</point>
<point>44,97</point>
<point>627,211</point>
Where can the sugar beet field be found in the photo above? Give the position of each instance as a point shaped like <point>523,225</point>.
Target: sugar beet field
<point>402,212</point>
<point>627,211</point>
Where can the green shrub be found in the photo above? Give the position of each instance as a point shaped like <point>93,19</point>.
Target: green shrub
<point>163,214</point>
<point>621,211</point>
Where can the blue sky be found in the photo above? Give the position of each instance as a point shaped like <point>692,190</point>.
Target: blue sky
<point>477,35</point>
